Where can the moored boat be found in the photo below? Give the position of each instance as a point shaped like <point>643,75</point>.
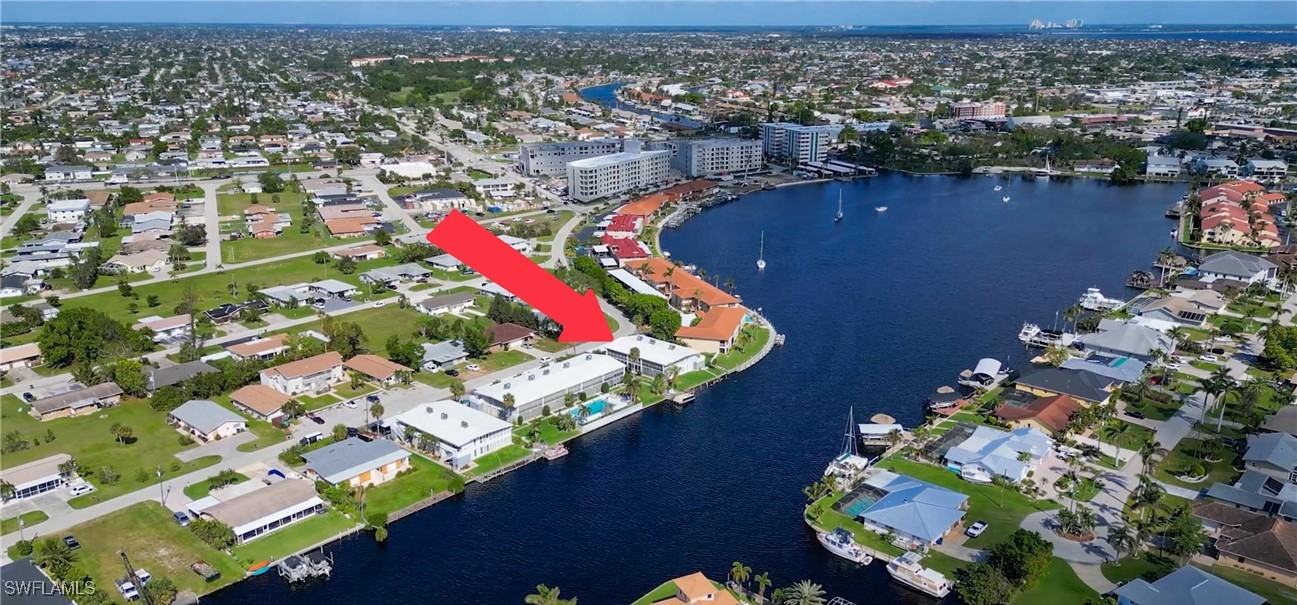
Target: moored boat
<point>259,568</point>
<point>907,570</point>
<point>841,543</point>
<point>554,453</point>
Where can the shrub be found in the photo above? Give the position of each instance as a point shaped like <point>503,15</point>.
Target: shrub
<point>23,548</point>
<point>185,440</point>
<point>216,534</point>
<point>109,475</point>
<point>141,475</point>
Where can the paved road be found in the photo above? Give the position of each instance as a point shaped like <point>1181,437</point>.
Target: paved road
<point>393,209</point>
<point>212,219</point>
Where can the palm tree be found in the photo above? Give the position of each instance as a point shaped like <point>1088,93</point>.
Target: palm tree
<point>1148,494</point>
<point>804,592</point>
<point>545,595</point>
<point>1215,385</point>
<point>54,555</point>
<point>763,582</point>
<point>1118,432</point>
<point>1150,450</point>
<point>1121,540</point>
<point>6,490</point>
<point>740,573</point>
<point>508,402</point>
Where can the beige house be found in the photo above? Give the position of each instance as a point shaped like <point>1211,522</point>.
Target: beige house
<point>206,420</point>
<point>356,462</point>
<point>311,375</point>
<point>78,402</point>
<point>22,356</point>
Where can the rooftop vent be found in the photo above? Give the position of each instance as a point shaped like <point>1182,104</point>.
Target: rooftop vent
<point>671,347</point>
<point>531,377</point>
<point>463,424</point>
<point>589,356</point>
<point>428,409</point>
<point>567,364</point>
<point>444,416</point>
<point>545,372</point>
<point>506,385</point>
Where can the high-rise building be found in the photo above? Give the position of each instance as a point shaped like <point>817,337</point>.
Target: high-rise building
<point>717,157</point>
<point>608,175</point>
<point>550,159</point>
<point>798,144</point>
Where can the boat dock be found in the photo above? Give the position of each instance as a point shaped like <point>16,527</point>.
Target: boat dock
<point>299,568</point>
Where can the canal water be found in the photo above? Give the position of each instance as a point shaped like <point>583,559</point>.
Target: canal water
<point>878,310</point>
<point>606,95</point>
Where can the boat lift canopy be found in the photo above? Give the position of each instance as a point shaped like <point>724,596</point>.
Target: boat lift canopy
<point>987,368</point>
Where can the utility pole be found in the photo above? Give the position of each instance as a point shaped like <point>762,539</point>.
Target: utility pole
<point>134,579</point>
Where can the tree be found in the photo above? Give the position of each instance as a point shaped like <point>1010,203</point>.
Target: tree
<point>763,582</point>
<point>123,433</point>
<point>1121,540</point>
<point>216,534</point>
<point>294,408</point>
<point>160,590</point>
<point>376,410</point>
<point>129,375</point>
<point>382,238</point>
<point>54,556</point>
<point>405,352</point>
<point>1023,558</point>
<point>26,225</point>
<point>545,595</point>
<point>982,584</point>
<point>81,335</point>
<point>339,432</point>
<point>476,342</point>
<point>271,182</point>
<point>804,592</point>
<point>740,573</point>
<point>457,389</point>
<point>320,257</point>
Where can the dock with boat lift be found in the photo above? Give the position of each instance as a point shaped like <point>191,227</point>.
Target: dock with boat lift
<point>299,568</point>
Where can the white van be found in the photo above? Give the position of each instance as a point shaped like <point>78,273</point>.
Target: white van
<point>311,438</point>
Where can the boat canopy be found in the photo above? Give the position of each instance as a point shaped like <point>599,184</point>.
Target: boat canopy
<point>990,368</point>
<point>878,430</point>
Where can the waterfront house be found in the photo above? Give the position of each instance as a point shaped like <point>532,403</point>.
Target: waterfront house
<point>1126,339</point>
<point>355,462</point>
<point>1162,166</point>
<point>696,589</point>
<point>311,375</point>
<point>173,375</point>
<point>1266,171</point>
<point>684,290</point>
<point>509,336</point>
<point>1250,541</point>
<point>77,402</point>
<point>458,434</point>
<point>260,401</point>
<point>383,371</point>
<point>1187,585</point>
<point>1119,369</point>
<point>989,452</point>
<point>914,511</point>
<point>533,390</point>
<point>654,356</point>
<point>1086,387</point>
<point>715,331</point>
<point>206,421</point>
<point>1049,415</point>
<point>1237,266</point>
<point>35,477</point>
<point>263,510</point>
<point>448,303</point>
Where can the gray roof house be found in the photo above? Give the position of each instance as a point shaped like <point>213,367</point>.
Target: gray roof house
<point>1124,339</point>
<point>449,303</point>
<point>1247,268</point>
<point>1185,586</point>
<point>912,509</point>
<point>172,375</point>
<point>1274,454</point>
<point>398,273</point>
<point>1083,385</point>
<point>1260,493</point>
<point>206,420</point>
<point>354,458</point>
<point>442,354</point>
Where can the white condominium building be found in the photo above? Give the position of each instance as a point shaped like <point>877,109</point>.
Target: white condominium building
<point>599,177</point>
<point>717,157</point>
<point>527,394</point>
<point>551,159</point>
<point>798,144</point>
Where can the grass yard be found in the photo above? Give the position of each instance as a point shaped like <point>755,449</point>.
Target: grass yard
<point>1185,455</point>
<point>436,380</point>
<point>749,342</point>
<point>294,538</point>
<point>154,542</point>
<point>233,204</point>
<point>830,520</point>
<point>1154,410</point>
<point>378,324</point>
<point>200,490</point>
<point>549,432</point>
<point>1059,586</point>
<point>500,360</point>
<point>689,380</point>
<point>943,563</point>
<point>86,438</point>
<point>291,240</point>
<point>1274,592</point>
<point>10,524</point>
<point>313,403</point>
<point>494,460</point>
<point>1148,566</point>
<point>345,391</point>
<point>663,592</point>
<point>427,479</point>
<point>984,501</point>
<point>551,346</point>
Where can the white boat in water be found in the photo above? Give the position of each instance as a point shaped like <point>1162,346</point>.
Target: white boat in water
<point>841,543</point>
<point>907,570</point>
<point>997,187</point>
<point>849,463</point>
<point>1005,199</point>
<point>1094,300</point>
<point>761,256</point>
<point>838,217</point>
<point>880,208</point>
<point>1034,336</point>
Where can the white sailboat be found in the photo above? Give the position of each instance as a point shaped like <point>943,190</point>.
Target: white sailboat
<point>1005,199</point>
<point>997,187</point>
<point>761,256</point>
<point>838,217</point>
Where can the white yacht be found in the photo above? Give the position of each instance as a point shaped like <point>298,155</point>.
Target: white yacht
<point>880,208</point>
<point>1033,335</point>
<point>1005,199</point>
<point>1094,300</point>
<point>997,187</point>
<point>907,570</point>
<point>841,543</point>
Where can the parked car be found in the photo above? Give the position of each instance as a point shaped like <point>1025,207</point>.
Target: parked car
<point>311,438</point>
<point>1173,366</point>
<point>472,367</point>
<point>351,403</point>
<point>371,398</point>
<point>82,489</point>
<point>352,431</point>
<point>976,529</point>
<point>546,360</point>
<point>452,372</point>
<point>1209,358</point>
<point>379,303</point>
<point>28,397</point>
<point>1135,414</point>
<point>180,518</point>
<point>315,419</point>
<point>71,542</point>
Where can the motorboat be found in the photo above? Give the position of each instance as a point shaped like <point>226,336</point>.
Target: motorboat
<point>1005,199</point>
<point>761,256</point>
<point>880,208</point>
<point>907,570</point>
<point>997,187</point>
<point>841,543</point>
<point>1033,335</point>
<point>1094,300</point>
<point>976,475</point>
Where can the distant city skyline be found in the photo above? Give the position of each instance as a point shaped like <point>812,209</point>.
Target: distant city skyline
<point>679,13</point>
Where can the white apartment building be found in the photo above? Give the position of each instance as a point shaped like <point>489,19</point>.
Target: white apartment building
<point>67,211</point>
<point>494,187</point>
<point>704,158</point>
<point>608,175</point>
<point>654,356</point>
<point>311,375</point>
<point>1266,171</point>
<point>551,159</point>
<point>462,433</point>
<point>797,144</point>
<point>531,391</point>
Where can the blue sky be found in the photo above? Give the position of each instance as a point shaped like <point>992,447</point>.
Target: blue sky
<point>663,13</point>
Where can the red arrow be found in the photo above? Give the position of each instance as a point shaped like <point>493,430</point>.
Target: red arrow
<point>473,245</point>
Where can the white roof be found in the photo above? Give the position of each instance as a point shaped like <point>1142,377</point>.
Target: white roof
<point>556,378</point>
<point>879,429</point>
<point>66,205</point>
<point>451,422</point>
<point>615,158</point>
<point>651,349</point>
<point>632,282</point>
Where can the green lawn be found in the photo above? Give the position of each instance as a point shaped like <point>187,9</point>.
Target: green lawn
<point>551,346</point>
<point>1205,366</point>
<point>345,391</point>
<point>943,563</point>
<point>291,240</point>
<point>1186,455</point>
<point>689,380</point>
<point>1273,592</point>
<point>665,591</point>
<point>503,359</point>
<point>1059,586</point>
<point>427,479</point>
<point>436,380</point>
<point>749,342</point>
<point>830,520</point>
<point>1148,566</point>
<point>1155,410</point>
<point>204,487</point>
<point>234,203</point>
<point>499,458</point>
<point>146,533</point>
<point>377,324</point>
<point>313,403</point>
<point>476,174</point>
<point>10,524</point>
<point>549,432</point>
<point>984,501</point>
<point>294,538</point>
<point>86,439</point>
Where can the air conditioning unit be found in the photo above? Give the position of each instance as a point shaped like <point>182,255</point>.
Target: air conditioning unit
<point>445,416</point>
<point>428,409</point>
<point>531,377</point>
<point>506,385</point>
<point>463,424</point>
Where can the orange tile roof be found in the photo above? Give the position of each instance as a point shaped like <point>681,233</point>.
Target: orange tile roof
<point>689,187</point>
<point>720,323</point>
<point>644,206</point>
<point>160,196</point>
<point>682,284</point>
<point>308,366</point>
<point>360,250</point>
<point>695,589</point>
<point>375,366</point>
<point>148,206</point>
<point>256,209</point>
<point>1052,412</point>
<point>261,398</point>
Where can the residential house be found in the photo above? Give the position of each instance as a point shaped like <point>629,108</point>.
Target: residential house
<point>77,402</point>
<point>525,395</point>
<point>311,375</point>
<point>649,356</point>
<point>206,420</point>
<point>390,276</point>
<point>69,211</point>
<point>34,478</point>
<point>332,288</point>
<point>715,331</point>
<point>1250,541</point>
<point>990,452</point>
<point>913,511</point>
<point>355,462</point>
<point>1086,387</point>
<point>260,401</point>
<point>21,356</point>
<point>1272,454</point>
<point>684,290</point>
<point>383,371</point>
<point>66,174</point>
<point>1219,168</point>
<point>264,510</point>
<point>458,433</point>
<point>509,336</point>
<point>148,261</point>
<point>1260,493</point>
<point>696,589</point>
<point>447,303</point>
<point>1185,586</point>
<point>1049,415</point>
<point>173,375</point>
<point>259,348</point>
<point>165,329</point>
<point>443,354</point>
<point>1237,266</point>
<point>1127,339</point>
<point>1282,421</point>
<point>362,252</point>
<point>1266,171</point>
<point>351,227</point>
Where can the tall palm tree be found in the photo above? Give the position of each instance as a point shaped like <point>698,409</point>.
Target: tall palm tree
<point>804,592</point>
<point>740,573</point>
<point>545,595</point>
<point>763,582</point>
<point>1121,540</point>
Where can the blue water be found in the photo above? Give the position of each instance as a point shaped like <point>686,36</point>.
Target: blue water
<point>878,310</point>
<point>606,95</point>
<point>595,406</point>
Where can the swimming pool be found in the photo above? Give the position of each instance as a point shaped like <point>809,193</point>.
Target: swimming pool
<point>858,506</point>
<point>596,407</point>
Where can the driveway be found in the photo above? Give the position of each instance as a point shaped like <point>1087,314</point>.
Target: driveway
<point>224,448</point>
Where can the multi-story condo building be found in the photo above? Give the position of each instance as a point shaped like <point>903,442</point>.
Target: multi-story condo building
<point>551,159</point>
<point>717,157</point>
<point>607,175</point>
<point>978,110</point>
<point>798,144</point>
